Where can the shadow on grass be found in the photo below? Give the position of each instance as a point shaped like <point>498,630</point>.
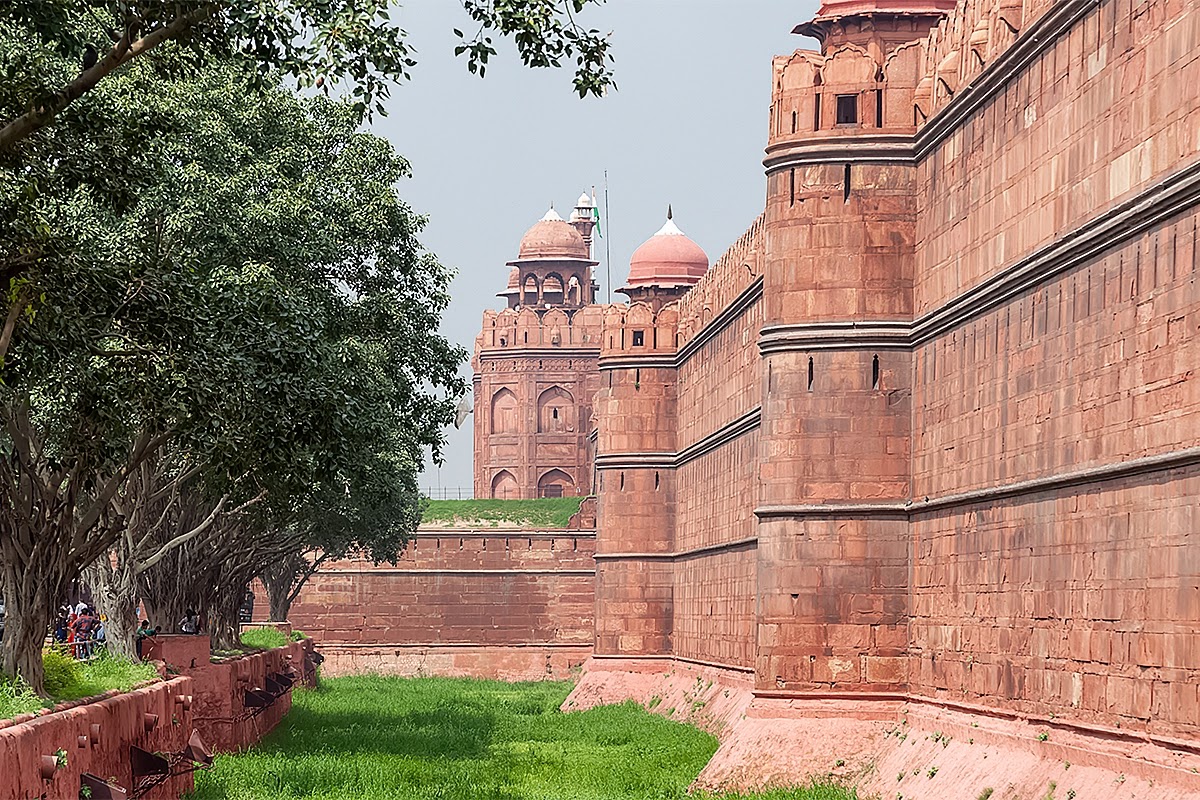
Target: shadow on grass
<point>445,732</point>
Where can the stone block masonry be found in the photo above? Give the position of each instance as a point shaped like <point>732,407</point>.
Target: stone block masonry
<point>923,445</point>
<point>511,604</point>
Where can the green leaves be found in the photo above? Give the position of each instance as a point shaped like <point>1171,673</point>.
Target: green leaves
<point>546,33</point>
<point>322,44</point>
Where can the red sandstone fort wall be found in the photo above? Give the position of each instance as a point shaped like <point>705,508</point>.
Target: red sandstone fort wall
<point>1075,599</point>
<point>515,604</point>
<point>947,445</point>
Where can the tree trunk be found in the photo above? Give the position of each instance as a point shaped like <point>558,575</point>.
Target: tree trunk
<point>224,629</point>
<point>279,595</point>
<point>116,598</point>
<point>29,601</point>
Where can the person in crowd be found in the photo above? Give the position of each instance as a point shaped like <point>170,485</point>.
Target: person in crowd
<point>72,618</point>
<point>143,632</point>
<point>85,627</point>
<point>60,627</point>
<point>190,622</point>
<point>100,635</point>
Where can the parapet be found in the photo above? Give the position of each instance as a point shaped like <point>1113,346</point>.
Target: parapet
<point>847,92</point>
<point>971,37</point>
<point>636,330</point>
<point>735,271</point>
<point>512,329</point>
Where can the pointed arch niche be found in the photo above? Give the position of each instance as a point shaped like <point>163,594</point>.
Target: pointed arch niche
<point>556,483</point>
<point>556,411</point>
<point>504,486</point>
<point>504,412</point>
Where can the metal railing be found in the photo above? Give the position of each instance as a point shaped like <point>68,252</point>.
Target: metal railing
<point>449,492</point>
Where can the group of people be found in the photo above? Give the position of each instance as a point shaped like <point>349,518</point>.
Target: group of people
<point>80,629</point>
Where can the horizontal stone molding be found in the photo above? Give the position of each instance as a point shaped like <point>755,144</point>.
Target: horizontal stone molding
<point>680,555</point>
<point>898,510</point>
<point>880,148</point>
<point>554,351</point>
<point>728,432</point>
<point>628,360</point>
<point>722,436</point>
<point>457,572</point>
<point>738,306</point>
<point>1118,225</point>
<point>327,646</point>
<point>1121,223</point>
<point>636,461</point>
<point>996,76</point>
<point>496,533</point>
<point>865,335</point>
<point>1138,467</point>
<point>684,659</point>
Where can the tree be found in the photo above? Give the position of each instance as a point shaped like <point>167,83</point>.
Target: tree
<point>317,42</point>
<point>371,512</point>
<point>245,300</point>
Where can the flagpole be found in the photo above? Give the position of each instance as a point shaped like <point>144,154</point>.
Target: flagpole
<point>607,239</point>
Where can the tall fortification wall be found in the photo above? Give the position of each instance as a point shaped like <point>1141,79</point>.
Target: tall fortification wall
<point>925,437</point>
<point>1055,404</point>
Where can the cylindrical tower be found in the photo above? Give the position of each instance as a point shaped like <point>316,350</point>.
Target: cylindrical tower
<point>836,364</point>
<point>636,423</point>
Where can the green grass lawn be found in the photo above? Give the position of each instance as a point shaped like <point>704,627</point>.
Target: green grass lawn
<point>263,638</point>
<point>371,738</point>
<point>547,512</point>
<point>68,679</point>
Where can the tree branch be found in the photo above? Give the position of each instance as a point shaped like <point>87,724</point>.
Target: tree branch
<point>125,50</point>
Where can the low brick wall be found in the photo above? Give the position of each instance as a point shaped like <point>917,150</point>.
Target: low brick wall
<point>528,663</point>
<point>96,737</point>
<point>222,716</point>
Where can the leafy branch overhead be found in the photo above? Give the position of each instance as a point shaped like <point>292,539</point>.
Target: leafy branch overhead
<point>546,33</point>
<point>318,43</point>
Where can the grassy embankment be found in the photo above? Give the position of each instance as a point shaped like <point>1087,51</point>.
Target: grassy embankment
<point>67,679</point>
<point>547,512</point>
<point>372,738</point>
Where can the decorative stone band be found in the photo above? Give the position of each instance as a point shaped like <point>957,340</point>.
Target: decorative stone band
<point>1147,466</point>
<point>872,335</point>
<point>866,149</point>
<point>636,461</point>
<point>684,659</point>
<point>495,353</point>
<point>718,438</point>
<point>439,571</point>
<point>1121,223</point>
<point>1032,43</point>
<point>639,361</point>
<point>682,555</point>
<point>744,300</point>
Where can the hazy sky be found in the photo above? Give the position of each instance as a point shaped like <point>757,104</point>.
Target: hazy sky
<point>686,126</point>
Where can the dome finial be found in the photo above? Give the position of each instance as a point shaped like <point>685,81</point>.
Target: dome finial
<point>669,214</point>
